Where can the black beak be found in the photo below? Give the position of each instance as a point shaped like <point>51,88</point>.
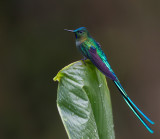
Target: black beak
<point>69,30</point>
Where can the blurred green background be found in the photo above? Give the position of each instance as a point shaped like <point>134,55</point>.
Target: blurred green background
<point>34,47</point>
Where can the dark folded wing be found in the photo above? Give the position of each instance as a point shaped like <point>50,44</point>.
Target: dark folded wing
<point>97,61</point>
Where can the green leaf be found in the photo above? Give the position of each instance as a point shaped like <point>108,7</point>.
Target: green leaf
<point>84,103</point>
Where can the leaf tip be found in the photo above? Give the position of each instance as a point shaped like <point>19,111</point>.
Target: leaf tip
<point>58,77</point>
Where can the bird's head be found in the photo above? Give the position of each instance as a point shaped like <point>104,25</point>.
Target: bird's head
<point>80,33</point>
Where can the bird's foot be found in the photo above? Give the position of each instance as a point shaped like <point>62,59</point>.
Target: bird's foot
<point>84,58</point>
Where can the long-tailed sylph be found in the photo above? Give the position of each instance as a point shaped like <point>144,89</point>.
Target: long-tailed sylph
<point>91,49</point>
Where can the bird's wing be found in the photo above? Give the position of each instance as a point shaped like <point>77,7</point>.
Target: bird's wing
<point>99,63</point>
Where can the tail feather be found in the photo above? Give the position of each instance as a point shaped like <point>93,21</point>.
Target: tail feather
<point>133,107</point>
<point>139,117</point>
<point>141,112</point>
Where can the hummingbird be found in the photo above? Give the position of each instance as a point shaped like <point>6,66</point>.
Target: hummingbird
<point>92,50</point>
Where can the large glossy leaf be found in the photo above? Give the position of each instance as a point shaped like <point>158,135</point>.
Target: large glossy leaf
<point>84,103</point>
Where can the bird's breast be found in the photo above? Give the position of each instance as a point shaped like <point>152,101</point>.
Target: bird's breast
<point>78,43</point>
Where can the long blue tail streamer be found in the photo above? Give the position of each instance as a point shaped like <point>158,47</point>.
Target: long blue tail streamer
<point>133,107</point>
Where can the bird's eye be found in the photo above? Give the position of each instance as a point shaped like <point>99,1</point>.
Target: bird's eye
<point>80,32</point>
